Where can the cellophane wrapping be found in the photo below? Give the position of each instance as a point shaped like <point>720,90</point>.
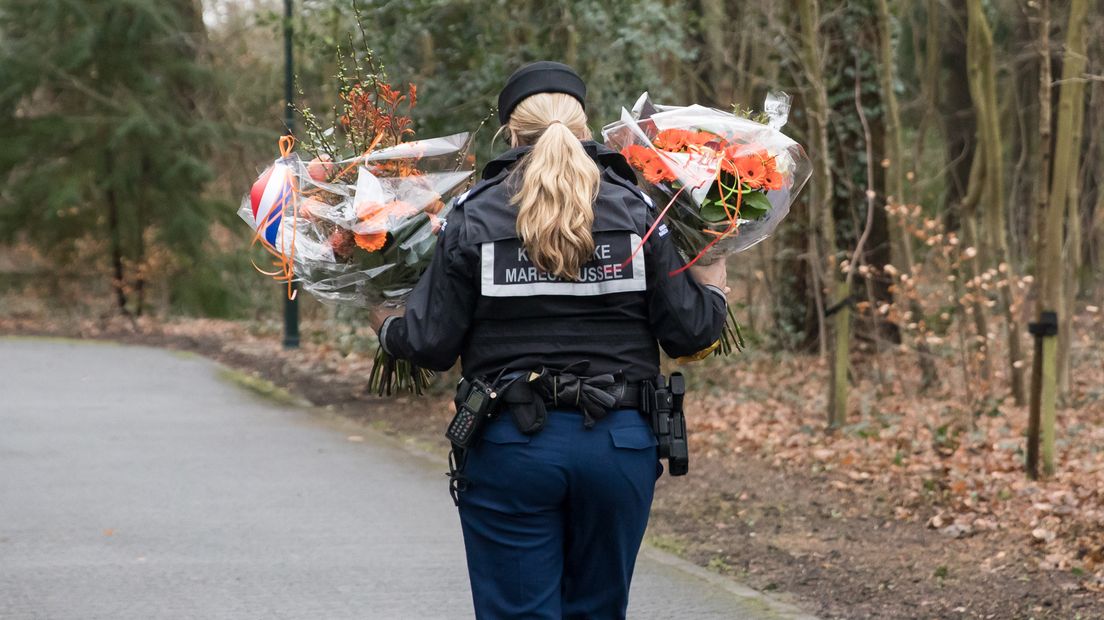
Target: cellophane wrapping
<point>361,231</point>
<point>726,182</point>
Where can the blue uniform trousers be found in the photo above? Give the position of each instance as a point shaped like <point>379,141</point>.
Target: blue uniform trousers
<point>553,522</point>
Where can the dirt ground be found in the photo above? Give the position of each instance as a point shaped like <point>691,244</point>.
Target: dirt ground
<point>841,551</point>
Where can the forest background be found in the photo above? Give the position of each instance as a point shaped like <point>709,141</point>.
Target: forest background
<point>958,193</point>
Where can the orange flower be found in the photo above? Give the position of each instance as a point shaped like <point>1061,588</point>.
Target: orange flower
<point>699,138</point>
<point>671,139</point>
<point>773,179</point>
<point>368,210</point>
<point>657,171</point>
<point>375,217</point>
<point>637,155</point>
<point>750,170</point>
<point>372,242</point>
<point>752,167</point>
<point>389,94</point>
<point>676,140</point>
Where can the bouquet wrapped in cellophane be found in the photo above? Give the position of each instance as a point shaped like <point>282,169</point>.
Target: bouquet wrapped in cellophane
<point>722,182</point>
<point>356,224</point>
<point>359,231</point>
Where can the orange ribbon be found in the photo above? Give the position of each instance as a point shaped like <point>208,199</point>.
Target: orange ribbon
<point>733,220</point>
<point>285,255</point>
<point>655,224</point>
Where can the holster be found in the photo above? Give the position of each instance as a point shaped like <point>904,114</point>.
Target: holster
<point>525,405</point>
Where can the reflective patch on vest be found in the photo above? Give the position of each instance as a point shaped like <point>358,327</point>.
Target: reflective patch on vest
<point>507,271</point>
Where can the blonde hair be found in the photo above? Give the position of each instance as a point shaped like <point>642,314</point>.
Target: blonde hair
<point>558,183</point>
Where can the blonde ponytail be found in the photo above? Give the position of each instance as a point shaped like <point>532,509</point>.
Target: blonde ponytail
<point>558,183</point>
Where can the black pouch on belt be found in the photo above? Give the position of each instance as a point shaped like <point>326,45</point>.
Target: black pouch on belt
<point>525,405</point>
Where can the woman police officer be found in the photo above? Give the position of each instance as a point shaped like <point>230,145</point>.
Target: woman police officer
<point>536,272</point>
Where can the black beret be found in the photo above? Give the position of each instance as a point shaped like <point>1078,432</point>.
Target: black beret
<point>539,77</point>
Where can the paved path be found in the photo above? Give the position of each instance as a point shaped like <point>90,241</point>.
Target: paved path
<point>134,483</point>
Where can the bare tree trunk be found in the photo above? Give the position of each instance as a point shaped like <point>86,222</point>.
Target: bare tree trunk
<point>1066,157</point>
<point>929,84</point>
<point>427,52</point>
<point>571,51</point>
<point>716,32</point>
<point>742,95</point>
<point>119,273</point>
<point>1096,244</point>
<point>140,242</point>
<point>895,186</point>
<point>795,310</point>
<point>1092,201</point>
<point>1071,259</point>
<point>822,222</point>
<point>979,53</point>
<point>956,110</point>
<point>1042,191</point>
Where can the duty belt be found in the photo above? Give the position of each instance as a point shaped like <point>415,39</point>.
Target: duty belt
<point>529,396</point>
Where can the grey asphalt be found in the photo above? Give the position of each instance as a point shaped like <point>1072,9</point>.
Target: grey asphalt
<point>139,483</point>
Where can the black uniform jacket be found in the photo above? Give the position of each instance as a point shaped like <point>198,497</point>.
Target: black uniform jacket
<point>483,300</point>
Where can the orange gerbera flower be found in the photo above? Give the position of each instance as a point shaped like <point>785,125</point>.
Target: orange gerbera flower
<point>671,139</point>
<point>375,214</point>
<point>375,217</point>
<point>699,138</point>
<point>371,242</point>
<point>773,179</point>
<point>657,171</point>
<point>637,155</point>
<point>751,169</point>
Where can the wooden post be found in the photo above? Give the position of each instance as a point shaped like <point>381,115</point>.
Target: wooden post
<point>1041,414</point>
<point>841,348</point>
<point>1049,399</point>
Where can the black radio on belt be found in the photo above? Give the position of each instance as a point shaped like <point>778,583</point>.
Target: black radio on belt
<point>669,422</point>
<point>472,412</point>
